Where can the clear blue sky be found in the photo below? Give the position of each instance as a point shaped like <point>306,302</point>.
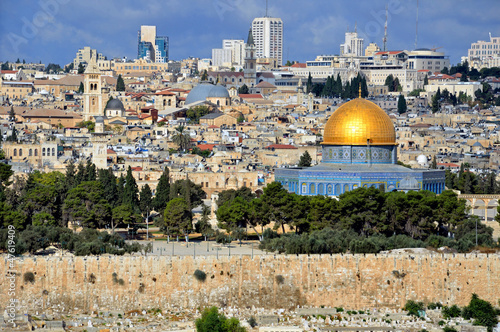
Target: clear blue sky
<point>53,30</point>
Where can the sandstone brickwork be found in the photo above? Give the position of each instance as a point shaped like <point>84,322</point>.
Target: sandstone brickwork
<point>349,281</point>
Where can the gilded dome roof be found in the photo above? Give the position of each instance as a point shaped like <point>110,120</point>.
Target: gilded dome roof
<point>357,121</point>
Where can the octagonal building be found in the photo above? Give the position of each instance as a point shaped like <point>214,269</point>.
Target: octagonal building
<point>359,150</point>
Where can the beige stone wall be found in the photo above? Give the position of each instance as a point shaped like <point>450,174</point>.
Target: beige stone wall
<point>349,281</point>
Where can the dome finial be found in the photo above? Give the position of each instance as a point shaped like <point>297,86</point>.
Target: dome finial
<point>360,90</point>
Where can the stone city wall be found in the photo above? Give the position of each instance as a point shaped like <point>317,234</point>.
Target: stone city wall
<point>350,281</point>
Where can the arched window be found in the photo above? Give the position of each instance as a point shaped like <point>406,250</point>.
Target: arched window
<point>312,188</point>
<point>337,189</point>
<point>36,152</point>
<point>170,102</point>
<point>30,152</point>
<point>53,152</point>
<point>15,152</point>
<point>304,188</point>
<point>346,188</point>
<point>20,152</point>
<point>321,189</point>
<point>43,152</point>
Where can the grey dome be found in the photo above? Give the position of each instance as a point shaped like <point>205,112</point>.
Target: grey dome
<point>205,90</point>
<point>115,104</point>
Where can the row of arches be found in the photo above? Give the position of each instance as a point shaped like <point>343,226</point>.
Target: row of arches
<point>34,152</point>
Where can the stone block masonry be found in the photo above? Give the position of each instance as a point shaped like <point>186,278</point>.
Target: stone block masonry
<point>70,284</point>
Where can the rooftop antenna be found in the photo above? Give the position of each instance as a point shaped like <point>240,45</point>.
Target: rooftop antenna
<point>416,29</point>
<point>385,30</point>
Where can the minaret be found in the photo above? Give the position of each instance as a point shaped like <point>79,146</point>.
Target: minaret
<point>250,71</point>
<point>300,92</point>
<point>92,95</point>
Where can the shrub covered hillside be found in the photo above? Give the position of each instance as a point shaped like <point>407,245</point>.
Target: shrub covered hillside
<point>361,221</point>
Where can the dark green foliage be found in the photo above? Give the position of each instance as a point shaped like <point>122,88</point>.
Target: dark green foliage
<point>81,88</point>
<point>195,113</point>
<point>146,199</point>
<point>449,329</point>
<point>413,307</point>
<point>200,275</point>
<point>252,322</point>
<point>451,312</point>
<point>81,68</point>
<point>29,277</point>
<point>177,217</point>
<point>213,321</point>
<point>162,192</point>
<point>130,190</point>
<point>222,238</point>
<point>402,104</point>
<point>191,192</point>
<point>243,90</point>
<point>482,312</point>
<point>305,160</point>
<point>120,84</point>
<point>436,305</point>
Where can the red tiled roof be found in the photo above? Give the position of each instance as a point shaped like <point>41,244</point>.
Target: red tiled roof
<point>299,65</point>
<point>136,169</point>
<point>448,164</point>
<point>213,127</point>
<point>165,93</point>
<point>9,72</point>
<point>281,146</point>
<point>111,151</point>
<point>205,146</point>
<point>177,90</point>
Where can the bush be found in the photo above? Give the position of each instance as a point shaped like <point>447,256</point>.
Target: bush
<point>483,312</point>
<point>451,312</point>
<point>449,329</point>
<point>200,275</point>
<point>413,307</point>
<point>280,279</point>
<point>252,322</point>
<point>29,277</point>
<point>432,305</point>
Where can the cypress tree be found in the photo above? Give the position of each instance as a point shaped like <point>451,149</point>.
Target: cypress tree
<point>162,196</point>
<point>402,104</point>
<point>146,199</point>
<point>131,190</point>
<point>120,84</point>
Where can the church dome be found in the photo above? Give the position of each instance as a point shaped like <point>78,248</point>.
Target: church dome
<point>205,90</point>
<point>357,121</point>
<point>115,104</point>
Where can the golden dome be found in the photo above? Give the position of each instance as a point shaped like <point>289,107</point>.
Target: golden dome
<point>357,121</point>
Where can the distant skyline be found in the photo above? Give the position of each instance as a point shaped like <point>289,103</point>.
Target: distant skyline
<point>53,30</point>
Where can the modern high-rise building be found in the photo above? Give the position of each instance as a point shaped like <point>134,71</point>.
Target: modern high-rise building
<point>481,53</point>
<point>221,57</point>
<point>85,54</point>
<point>353,44</point>
<point>150,46</point>
<point>237,47</point>
<point>268,37</point>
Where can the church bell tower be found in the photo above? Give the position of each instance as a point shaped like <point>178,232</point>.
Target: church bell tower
<point>92,91</point>
<point>250,71</point>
